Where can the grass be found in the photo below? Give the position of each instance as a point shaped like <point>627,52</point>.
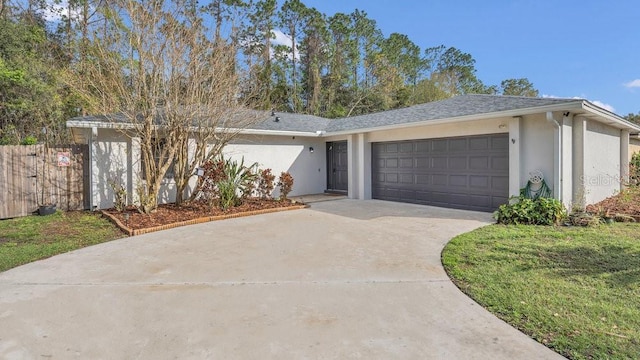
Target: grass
<point>576,290</point>
<point>32,238</point>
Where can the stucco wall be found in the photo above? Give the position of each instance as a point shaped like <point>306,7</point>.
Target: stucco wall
<point>285,153</point>
<point>117,158</point>
<point>602,161</point>
<point>536,148</point>
<point>110,163</point>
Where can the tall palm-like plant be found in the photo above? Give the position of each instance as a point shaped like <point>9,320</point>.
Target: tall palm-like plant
<point>237,179</point>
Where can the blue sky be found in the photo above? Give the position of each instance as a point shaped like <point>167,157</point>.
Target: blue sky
<point>566,48</point>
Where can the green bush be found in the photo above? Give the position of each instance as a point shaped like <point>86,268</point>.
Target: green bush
<point>237,179</point>
<point>29,140</point>
<point>525,211</point>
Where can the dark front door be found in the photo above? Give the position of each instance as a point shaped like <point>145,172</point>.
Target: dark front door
<point>337,166</point>
<point>470,172</point>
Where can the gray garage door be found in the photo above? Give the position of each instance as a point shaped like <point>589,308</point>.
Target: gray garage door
<point>470,172</point>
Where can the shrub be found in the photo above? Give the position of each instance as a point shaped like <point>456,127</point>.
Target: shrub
<point>237,179</point>
<point>285,183</point>
<point>120,196</point>
<point>634,170</point>
<point>29,140</point>
<point>525,211</point>
<point>213,174</point>
<point>266,183</point>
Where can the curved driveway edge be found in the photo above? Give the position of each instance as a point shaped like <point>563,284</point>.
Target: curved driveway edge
<point>345,279</point>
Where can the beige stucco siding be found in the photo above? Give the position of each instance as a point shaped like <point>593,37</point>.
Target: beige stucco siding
<point>536,148</point>
<point>285,153</point>
<point>602,161</point>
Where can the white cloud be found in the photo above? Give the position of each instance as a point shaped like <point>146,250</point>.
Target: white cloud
<point>604,106</point>
<point>281,38</point>
<point>633,84</point>
<point>595,102</point>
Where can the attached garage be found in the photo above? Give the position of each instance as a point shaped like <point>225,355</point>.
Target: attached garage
<point>470,172</point>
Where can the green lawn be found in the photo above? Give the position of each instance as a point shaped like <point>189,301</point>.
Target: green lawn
<point>31,238</point>
<point>577,290</point>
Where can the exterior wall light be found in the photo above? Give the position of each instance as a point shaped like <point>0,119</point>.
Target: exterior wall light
<point>311,149</point>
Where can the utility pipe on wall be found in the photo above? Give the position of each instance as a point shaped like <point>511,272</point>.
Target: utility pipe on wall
<point>557,158</point>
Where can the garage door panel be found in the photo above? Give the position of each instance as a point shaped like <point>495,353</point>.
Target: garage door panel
<point>440,197</point>
<point>407,195</point>
<point>496,201</point>
<point>482,201</point>
<point>423,146</point>
<point>459,145</point>
<point>500,143</point>
<point>422,179</point>
<point>478,143</point>
<point>500,182</point>
<point>439,180</point>
<point>479,162</point>
<point>439,162</point>
<point>461,172</point>
<point>406,162</point>
<point>458,162</point>
<point>423,162</point>
<point>479,181</point>
<point>406,147</point>
<point>406,178</point>
<point>500,163</point>
<point>458,180</point>
<point>439,146</point>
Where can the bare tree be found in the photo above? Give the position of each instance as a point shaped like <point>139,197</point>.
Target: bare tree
<point>156,72</point>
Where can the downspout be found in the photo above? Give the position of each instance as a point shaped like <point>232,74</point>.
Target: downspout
<point>557,162</point>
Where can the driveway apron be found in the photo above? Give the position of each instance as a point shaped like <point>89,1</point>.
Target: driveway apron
<point>344,279</point>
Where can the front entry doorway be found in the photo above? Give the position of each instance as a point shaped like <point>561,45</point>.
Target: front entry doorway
<point>337,167</point>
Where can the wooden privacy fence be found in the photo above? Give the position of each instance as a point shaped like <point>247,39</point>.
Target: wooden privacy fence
<point>32,175</point>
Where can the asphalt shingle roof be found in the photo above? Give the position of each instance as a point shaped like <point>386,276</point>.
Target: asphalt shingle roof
<point>463,105</point>
<point>292,122</point>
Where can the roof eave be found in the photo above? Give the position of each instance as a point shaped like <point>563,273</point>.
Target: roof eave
<point>609,117</point>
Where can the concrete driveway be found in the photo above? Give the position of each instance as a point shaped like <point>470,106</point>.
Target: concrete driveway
<point>344,279</point>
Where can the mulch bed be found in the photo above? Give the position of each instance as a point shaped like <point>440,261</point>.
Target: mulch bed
<point>627,203</point>
<point>167,216</point>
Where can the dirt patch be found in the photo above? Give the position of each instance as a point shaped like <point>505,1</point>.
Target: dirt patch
<point>167,214</point>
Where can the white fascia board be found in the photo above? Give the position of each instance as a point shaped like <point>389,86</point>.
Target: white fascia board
<point>609,118</point>
<point>272,132</point>
<point>126,126</point>
<point>98,124</point>
<point>493,115</point>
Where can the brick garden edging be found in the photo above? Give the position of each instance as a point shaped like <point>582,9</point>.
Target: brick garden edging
<point>133,232</point>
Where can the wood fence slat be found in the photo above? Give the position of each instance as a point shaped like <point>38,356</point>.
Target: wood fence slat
<point>27,181</point>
